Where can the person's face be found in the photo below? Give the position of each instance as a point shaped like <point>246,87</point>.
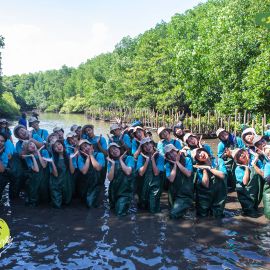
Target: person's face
<point>224,135</point>
<point>71,140</point>
<point>3,124</point>
<point>35,125</point>
<point>202,156</point>
<point>243,157</point>
<point>172,155</point>
<point>261,144</point>
<point>58,147</point>
<point>249,138</point>
<point>85,147</point>
<point>114,151</point>
<point>89,131</point>
<point>60,134</point>
<point>32,147</point>
<point>2,142</point>
<point>165,134</point>
<point>148,147</point>
<point>53,138</point>
<point>179,132</point>
<point>139,134</point>
<point>117,132</point>
<point>75,140</point>
<point>192,140</point>
<point>78,131</point>
<point>23,133</point>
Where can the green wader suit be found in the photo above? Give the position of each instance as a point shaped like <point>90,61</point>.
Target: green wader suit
<point>250,195</point>
<point>18,171</point>
<point>231,179</point>
<point>211,200</point>
<point>149,189</point>
<point>89,187</point>
<point>61,186</point>
<point>4,179</point>
<point>266,199</point>
<point>180,194</point>
<point>121,190</point>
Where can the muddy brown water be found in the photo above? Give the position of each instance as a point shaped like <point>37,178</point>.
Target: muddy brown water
<point>77,238</point>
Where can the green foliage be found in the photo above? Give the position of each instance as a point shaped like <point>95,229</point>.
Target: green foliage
<point>211,57</point>
<point>8,106</point>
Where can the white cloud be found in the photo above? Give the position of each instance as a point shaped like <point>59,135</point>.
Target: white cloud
<point>29,48</point>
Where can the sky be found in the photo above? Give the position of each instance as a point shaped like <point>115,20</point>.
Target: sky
<point>47,34</point>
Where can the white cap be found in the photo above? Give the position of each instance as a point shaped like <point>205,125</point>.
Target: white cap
<point>169,147</point>
<point>186,136</point>
<point>219,131</point>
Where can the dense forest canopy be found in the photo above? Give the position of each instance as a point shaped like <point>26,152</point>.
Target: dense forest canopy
<point>212,57</point>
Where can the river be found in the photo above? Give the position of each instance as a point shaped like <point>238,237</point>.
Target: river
<point>77,238</point>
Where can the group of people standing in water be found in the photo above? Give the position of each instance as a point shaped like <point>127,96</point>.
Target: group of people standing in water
<point>54,168</point>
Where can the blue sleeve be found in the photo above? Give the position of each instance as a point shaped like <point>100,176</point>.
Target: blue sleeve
<point>221,166</point>
<point>4,159</point>
<point>103,144</point>
<point>19,147</point>
<point>140,162</point>
<point>239,174</point>
<point>45,153</point>
<point>220,149</point>
<point>199,175</point>
<point>37,138</point>
<point>240,143</point>
<point>168,169</point>
<point>267,133</point>
<point>134,146</point>
<point>160,163</point>
<point>9,147</point>
<point>208,149</point>
<point>130,162</point>
<point>160,148</point>
<point>188,164</point>
<point>100,159</point>
<point>126,140</point>
<point>45,134</point>
<point>177,144</point>
<point>266,170</point>
<point>109,167</point>
<point>80,162</point>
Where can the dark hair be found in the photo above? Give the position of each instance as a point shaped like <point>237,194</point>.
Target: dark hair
<point>244,137</point>
<point>238,154</point>
<point>56,156</point>
<point>4,136</point>
<point>197,161</point>
<point>23,115</point>
<point>85,127</point>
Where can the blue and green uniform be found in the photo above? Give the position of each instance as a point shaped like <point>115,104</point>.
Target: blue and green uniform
<point>232,143</point>
<point>121,186</point>
<point>266,190</point>
<point>37,183</point>
<point>149,186</point>
<point>89,183</point>
<point>249,195</point>
<point>180,192</point>
<point>42,133</point>
<point>211,199</point>
<point>4,179</point>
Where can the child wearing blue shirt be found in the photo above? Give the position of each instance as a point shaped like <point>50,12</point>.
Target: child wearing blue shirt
<point>211,190</point>
<point>179,173</point>
<point>248,181</point>
<point>90,164</point>
<point>150,167</point>
<point>121,176</point>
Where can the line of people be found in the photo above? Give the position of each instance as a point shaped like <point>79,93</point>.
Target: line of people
<point>56,168</point>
